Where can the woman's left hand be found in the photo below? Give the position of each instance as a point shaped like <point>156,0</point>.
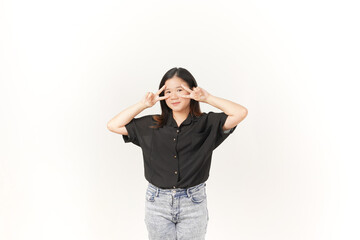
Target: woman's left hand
<point>198,93</point>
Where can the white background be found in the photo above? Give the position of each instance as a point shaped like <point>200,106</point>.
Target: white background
<point>289,170</point>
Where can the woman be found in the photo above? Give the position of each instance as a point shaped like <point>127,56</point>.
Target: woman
<point>177,148</point>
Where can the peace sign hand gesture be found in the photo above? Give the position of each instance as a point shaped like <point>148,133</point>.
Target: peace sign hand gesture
<point>198,93</point>
<point>150,98</point>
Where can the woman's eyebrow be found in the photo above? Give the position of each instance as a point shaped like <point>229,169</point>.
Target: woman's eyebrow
<point>169,88</point>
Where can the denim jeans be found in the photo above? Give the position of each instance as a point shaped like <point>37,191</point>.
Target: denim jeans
<point>176,214</point>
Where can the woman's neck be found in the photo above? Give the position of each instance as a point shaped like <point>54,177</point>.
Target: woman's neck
<point>179,117</point>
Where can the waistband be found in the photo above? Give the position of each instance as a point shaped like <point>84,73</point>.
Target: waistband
<point>188,191</point>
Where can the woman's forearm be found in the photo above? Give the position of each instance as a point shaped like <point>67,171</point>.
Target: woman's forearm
<point>125,116</point>
<point>228,107</point>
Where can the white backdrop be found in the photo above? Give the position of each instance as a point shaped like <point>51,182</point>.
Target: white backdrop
<point>290,169</point>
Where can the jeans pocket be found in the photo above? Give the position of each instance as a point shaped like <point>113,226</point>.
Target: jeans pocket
<point>198,196</point>
<point>150,195</point>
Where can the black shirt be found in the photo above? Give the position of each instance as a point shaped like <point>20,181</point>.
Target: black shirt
<point>178,156</point>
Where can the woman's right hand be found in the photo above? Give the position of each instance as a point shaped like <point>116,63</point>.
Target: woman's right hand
<point>150,98</point>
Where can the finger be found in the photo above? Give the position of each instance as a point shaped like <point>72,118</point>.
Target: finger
<point>196,89</point>
<point>160,90</point>
<point>184,96</point>
<point>149,96</point>
<point>186,88</point>
<point>164,97</point>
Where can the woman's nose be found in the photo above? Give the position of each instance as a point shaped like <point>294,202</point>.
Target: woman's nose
<point>173,95</point>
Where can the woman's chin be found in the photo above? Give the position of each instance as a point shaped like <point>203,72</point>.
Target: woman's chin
<point>178,109</point>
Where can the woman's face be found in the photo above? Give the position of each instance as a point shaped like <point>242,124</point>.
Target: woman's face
<point>173,88</point>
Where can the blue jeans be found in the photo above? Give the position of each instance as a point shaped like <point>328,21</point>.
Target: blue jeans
<point>176,214</point>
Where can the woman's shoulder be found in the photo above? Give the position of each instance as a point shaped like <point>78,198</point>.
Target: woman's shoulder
<point>211,114</point>
<point>145,118</point>
<point>211,117</point>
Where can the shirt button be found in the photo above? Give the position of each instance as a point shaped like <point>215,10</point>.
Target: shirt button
<point>175,172</point>
<point>174,139</point>
<point>177,130</point>
<point>175,156</point>
<point>174,187</point>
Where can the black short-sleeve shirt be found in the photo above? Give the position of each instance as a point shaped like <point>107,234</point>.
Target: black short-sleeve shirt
<point>178,156</point>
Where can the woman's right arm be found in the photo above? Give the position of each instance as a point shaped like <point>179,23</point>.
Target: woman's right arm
<point>117,123</point>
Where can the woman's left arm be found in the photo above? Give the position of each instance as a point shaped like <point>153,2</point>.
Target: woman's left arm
<point>236,113</point>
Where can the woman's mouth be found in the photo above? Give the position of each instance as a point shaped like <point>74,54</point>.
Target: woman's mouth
<point>175,103</point>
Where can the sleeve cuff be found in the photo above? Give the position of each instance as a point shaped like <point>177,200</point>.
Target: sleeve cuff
<point>131,135</point>
<point>222,122</point>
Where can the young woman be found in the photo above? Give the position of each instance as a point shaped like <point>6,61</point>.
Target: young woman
<point>177,148</point>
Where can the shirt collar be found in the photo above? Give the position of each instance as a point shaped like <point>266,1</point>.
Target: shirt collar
<point>171,121</point>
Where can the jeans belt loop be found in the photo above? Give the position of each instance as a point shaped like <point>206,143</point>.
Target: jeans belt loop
<point>188,192</point>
